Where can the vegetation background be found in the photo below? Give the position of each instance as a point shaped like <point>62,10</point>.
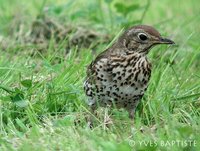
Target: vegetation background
<point>45,47</point>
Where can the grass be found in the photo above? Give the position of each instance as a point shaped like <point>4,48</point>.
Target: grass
<point>41,90</point>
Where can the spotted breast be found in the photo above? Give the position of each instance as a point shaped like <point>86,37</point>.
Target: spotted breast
<point>118,80</point>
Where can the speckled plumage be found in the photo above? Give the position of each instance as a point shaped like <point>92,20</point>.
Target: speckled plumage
<point>119,76</point>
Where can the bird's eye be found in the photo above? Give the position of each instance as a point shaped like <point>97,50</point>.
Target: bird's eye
<point>142,36</point>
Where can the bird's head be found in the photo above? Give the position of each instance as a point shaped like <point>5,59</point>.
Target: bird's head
<point>142,38</point>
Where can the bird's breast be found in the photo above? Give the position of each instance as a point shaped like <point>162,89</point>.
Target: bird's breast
<point>132,75</point>
<point>121,78</point>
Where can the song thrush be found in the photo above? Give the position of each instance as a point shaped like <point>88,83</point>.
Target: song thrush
<point>119,75</point>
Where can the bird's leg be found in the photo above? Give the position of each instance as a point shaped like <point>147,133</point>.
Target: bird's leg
<point>131,113</point>
<point>132,109</point>
<point>93,108</point>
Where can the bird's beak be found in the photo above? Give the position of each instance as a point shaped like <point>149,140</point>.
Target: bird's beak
<point>165,41</point>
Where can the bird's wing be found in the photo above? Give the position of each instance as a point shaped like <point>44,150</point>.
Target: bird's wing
<point>103,58</point>
<point>108,63</point>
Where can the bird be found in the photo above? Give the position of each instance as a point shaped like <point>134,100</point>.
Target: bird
<point>119,76</point>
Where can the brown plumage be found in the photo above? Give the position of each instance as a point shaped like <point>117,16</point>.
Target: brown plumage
<point>119,75</point>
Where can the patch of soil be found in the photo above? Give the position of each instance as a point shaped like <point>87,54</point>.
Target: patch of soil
<point>45,30</point>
